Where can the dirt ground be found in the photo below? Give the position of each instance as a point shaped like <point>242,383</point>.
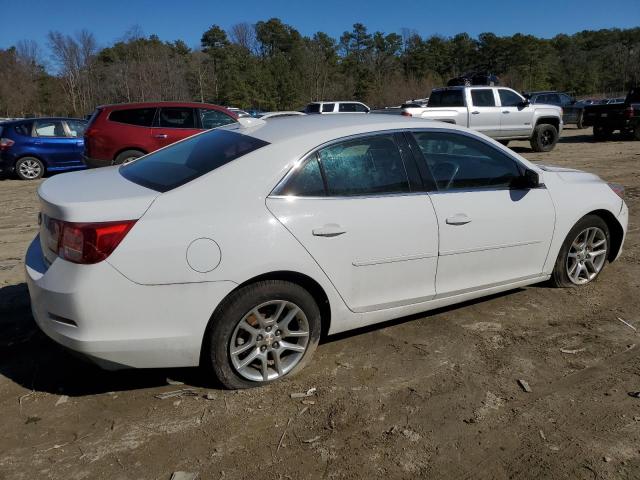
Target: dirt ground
<point>430,396</point>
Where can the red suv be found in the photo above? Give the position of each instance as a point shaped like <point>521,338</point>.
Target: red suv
<point>120,133</point>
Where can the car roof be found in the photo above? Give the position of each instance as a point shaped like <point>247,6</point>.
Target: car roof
<point>162,104</point>
<point>313,130</point>
<point>336,101</point>
<point>23,120</point>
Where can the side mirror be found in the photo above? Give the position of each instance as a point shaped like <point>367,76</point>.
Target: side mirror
<point>524,104</point>
<point>529,179</point>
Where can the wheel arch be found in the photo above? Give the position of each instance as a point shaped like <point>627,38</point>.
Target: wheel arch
<point>549,121</point>
<point>32,155</point>
<point>616,231</point>
<point>312,286</point>
<point>137,149</point>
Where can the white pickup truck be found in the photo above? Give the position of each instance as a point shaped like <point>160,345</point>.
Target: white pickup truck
<point>498,112</point>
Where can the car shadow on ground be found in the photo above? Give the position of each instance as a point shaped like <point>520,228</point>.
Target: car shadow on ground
<point>29,358</point>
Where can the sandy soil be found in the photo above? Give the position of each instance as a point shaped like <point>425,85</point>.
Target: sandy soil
<point>431,396</point>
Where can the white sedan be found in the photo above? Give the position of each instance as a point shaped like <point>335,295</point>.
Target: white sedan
<point>235,248</point>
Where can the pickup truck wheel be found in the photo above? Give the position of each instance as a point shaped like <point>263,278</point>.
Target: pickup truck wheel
<point>504,142</point>
<point>544,138</point>
<point>600,132</point>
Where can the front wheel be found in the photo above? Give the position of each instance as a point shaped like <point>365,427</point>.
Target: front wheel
<point>544,138</point>
<point>29,168</point>
<point>261,333</point>
<point>583,254</point>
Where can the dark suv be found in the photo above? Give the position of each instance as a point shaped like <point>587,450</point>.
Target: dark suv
<point>117,134</point>
<point>572,111</point>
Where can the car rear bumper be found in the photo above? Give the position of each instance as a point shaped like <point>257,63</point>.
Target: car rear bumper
<point>116,323</point>
<point>96,162</point>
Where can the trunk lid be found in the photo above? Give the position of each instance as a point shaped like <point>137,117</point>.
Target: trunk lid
<point>98,195</point>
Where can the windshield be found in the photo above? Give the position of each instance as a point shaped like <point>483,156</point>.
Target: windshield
<point>184,161</point>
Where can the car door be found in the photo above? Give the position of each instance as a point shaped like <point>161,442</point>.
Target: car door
<point>356,208</point>
<point>173,124</point>
<point>484,114</point>
<point>75,130</point>
<point>515,117</point>
<point>569,108</point>
<point>490,234</point>
<point>53,144</point>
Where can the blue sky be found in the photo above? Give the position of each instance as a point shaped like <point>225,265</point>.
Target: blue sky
<point>187,19</point>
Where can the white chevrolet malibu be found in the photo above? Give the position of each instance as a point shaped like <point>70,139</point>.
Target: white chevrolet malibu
<point>234,249</point>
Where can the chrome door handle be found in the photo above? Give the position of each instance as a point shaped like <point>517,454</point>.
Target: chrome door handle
<point>329,230</point>
<point>161,135</point>
<point>458,219</point>
<point>475,112</point>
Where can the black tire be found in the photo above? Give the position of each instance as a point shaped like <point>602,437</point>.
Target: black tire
<point>29,168</point>
<point>504,142</point>
<point>579,123</point>
<point>600,132</point>
<point>636,132</point>
<point>544,138</point>
<point>217,343</point>
<point>127,156</point>
<point>560,277</point>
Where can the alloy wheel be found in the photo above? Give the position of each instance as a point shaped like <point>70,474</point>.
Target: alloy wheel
<point>30,169</point>
<point>587,255</point>
<point>269,341</point>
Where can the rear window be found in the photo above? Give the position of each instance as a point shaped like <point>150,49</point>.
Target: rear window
<point>24,129</point>
<point>446,98</point>
<point>185,161</point>
<point>142,117</point>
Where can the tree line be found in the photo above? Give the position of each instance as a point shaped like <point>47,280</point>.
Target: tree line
<point>271,66</point>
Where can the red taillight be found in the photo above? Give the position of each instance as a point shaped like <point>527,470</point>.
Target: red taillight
<point>6,143</point>
<point>406,114</point>
<point>86,242</point>
<point>618,189</point>
<point>628,112</point>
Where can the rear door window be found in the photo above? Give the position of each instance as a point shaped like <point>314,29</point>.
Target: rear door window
<point>446,98</point>
<point>49,128</point>
<point>76,128</point>
<point>312,108</point>
<point>142,117</point>
<point>177,117</point>
<point>184,161</point>
<point>365,166</point>
<point>483,98</point>
<point>328,107</point>
<point>214,118</point>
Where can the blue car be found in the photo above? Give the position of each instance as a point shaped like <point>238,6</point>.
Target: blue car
<point>31,147</point>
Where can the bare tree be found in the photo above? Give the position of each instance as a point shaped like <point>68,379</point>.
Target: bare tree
<point>244,34</point>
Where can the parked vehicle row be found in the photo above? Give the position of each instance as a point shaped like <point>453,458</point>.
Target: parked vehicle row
<point>498,112</point>
<point>235,248</point>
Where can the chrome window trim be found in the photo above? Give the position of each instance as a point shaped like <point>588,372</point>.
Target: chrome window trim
<point>305,157</point>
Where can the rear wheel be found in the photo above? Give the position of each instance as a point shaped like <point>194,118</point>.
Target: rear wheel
<point>29,168</point>
<point>262,333</point>
<point>504,142</point>
<point>127,156</point>
<point>600,132</point>
<point>583,254</point>
<point>544,138</point>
